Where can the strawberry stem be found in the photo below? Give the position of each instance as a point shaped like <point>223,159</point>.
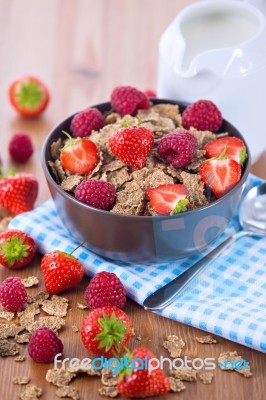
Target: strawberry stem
<point>76,248</point>
<point>67,135</point>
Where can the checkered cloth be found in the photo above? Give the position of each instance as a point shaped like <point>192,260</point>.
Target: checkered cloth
<point>226,299</point>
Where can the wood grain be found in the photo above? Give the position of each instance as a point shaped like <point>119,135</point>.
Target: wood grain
<point>82,49</point>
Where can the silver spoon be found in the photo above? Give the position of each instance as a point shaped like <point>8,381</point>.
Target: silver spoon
<point>252,217</point>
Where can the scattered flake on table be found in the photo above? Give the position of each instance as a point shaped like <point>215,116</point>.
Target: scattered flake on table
<point>23,338</point>
<point>21,380</point>
<point>54,323</point>
<point>206,378</point>
<point>184,374</point>
<point>108,378</point>
<point>176,385</point>
<point>31,392</point>
<point>88,369</point>
<point>174,345</point>
<point>7,315</point>
<point>59,377</point>
<point>30,281</point>
<point>56,306</point>
<point>234,358</point>
<point>68,392</point>
<point>9,330</point>
<point>108,391</point>
<point>8,349</point>
<point>75,328</point>
<point>208,339</point>
<point>20,359</point>
<point>39,297</point>
<point>26,317</point>
<point>82,306</point>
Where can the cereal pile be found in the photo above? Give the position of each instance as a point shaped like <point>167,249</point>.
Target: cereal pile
<point>130,183</point>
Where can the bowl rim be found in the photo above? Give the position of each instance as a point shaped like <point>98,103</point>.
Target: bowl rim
<point>155,101</point>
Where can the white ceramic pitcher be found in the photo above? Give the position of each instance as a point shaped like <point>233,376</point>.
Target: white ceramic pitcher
<point>217,50</point>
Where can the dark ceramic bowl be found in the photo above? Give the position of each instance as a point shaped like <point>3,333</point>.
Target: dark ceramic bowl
<point>138,238</point>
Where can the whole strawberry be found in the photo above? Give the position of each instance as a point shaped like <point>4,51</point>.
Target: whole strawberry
<point>18,193</point>
<point>13,295</point>
<point>140,382</point>
<point>105,289</point>
<point>132,145</point>
<point>44,345</point>
<point>106,331</point>
<point>128,100</point>
<point>17,249</point>
<point>61,271</point>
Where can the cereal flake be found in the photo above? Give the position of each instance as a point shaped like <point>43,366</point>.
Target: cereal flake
<point>208,339</point>
<point>174,345</point>
<point>67,392</point>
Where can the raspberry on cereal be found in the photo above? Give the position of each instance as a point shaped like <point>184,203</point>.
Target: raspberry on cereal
<point>128,100</point>
<point>203,115</point>
<point>178,148</point>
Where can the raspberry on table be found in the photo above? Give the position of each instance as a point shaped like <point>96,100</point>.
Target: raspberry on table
<point>178,148</point>
<point>96,193</point>
<point>128,100</point>
<point>13,295</point>
<point>43,346</point>
<point>203,115</point>
<point>20,147</point>
<point>105,289</point>
<point>86,121</point>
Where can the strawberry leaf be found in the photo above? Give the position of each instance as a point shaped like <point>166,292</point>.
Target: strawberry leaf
<point>243,156</point>
<point>112,334</point>
<point>14,250</point>
<point>180,206</point>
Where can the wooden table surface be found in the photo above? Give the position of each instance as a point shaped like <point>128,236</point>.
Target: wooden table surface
<point>82,49</point>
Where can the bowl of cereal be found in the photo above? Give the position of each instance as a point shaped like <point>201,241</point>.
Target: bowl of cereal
<point>152,183</point>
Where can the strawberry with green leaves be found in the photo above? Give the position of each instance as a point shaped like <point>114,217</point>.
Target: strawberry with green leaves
<point>18,192</point>
<point>106,331</point>
<point>231,147</point>
<point>132,145</point>
<point>61,271</point>
<point>79,156</point>
<point>17,249</point>
<point>168,199</point>
<point>140,382</point>
<point>29,96</point>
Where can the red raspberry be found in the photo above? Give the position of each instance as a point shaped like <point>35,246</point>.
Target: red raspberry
<point>127,100</point>
<point>13,295</point>
<point>203,115</point>
<point>20,147</point>
<point>43,346</point>
<point>96,193</point>
<point>105,289</point>
<point>178,148</point>
<point>86,121</point>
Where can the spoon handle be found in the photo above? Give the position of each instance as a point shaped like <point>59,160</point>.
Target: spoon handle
<point>168,293</point>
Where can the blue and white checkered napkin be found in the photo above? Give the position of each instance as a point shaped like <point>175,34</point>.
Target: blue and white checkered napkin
<point>228,298</point>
